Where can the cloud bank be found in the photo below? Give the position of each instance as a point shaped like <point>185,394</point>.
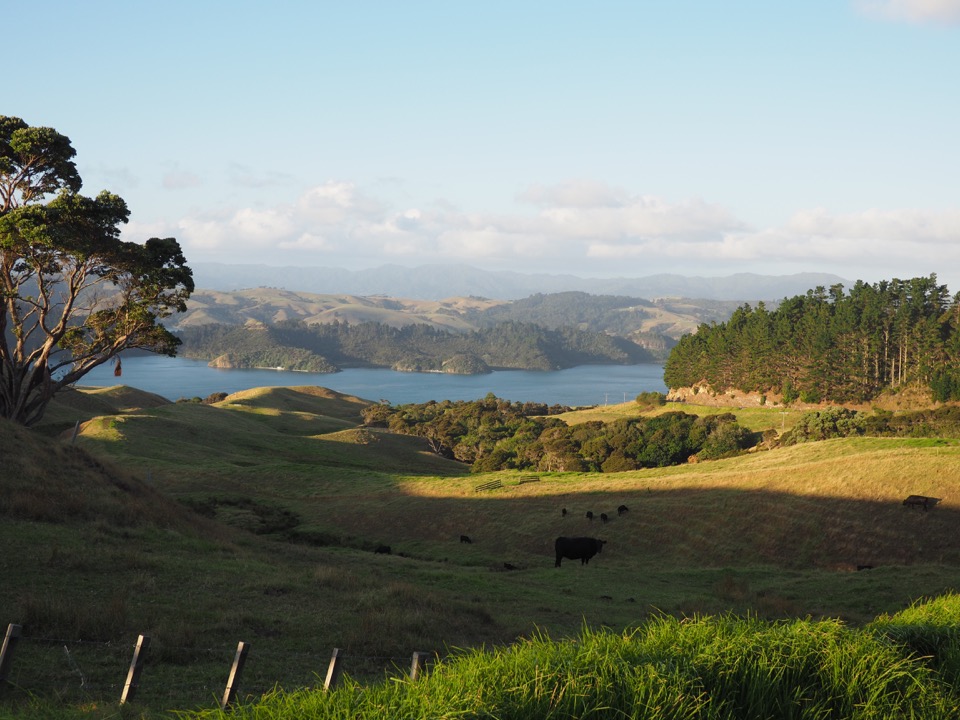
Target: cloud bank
<point>581,228</point>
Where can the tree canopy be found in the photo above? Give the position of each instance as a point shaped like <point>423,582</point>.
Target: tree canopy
<point>831,345</point>
<point>322,347</point>
<point>495,434</point>
<point>73,295</point>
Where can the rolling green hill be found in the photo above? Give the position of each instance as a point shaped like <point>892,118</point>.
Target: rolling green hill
<point>256,518</point>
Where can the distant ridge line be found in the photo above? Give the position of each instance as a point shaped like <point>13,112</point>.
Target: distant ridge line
<point>437,282</point>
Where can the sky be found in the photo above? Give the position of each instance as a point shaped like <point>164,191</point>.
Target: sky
<point>599,139</point>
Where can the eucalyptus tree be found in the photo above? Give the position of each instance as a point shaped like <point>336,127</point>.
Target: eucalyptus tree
<point>73,295</point>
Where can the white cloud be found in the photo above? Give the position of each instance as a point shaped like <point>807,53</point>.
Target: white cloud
<point>642,217</point>
<point>580,193</point>
<point>335,224</point>
<point>916,11</point>
<point>903,226</point>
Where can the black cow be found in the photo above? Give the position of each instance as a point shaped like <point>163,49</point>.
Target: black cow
<point>581,548</point>
<point>603,517</point>
<point>465,539</point>
<point>563,512</point>
<point>622,509</point>
<point>589,515</point>
<point>382,550</point>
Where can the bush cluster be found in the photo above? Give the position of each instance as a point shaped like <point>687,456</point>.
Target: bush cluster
<point>494,434</point>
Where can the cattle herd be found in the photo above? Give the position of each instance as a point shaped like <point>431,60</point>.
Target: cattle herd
<point>603,516</point>
<point>571,548</point>
<point>582,548</point>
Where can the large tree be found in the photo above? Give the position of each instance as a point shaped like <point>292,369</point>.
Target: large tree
<point>72,294</point>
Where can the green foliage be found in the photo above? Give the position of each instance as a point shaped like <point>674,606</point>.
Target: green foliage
<point>838,422</point>
<point>930,630</point>
<point>833,422</point>
<point>942,422</point>
<point>650,399</point>
<point>74,295</point>
<point>493,434</point>
<point>416,348</point>
<point>831,346</point>
<point>701,667</point>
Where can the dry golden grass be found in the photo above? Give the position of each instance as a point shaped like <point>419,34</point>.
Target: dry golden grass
<point>303,399</point>
<point>755,418</point>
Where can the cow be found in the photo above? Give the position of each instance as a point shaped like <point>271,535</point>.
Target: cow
<point>589,515</point>
<point>603,517</point>
<point>382,550</point>
<point>563,512</point>
<point>622,509</point>
<point>465,539</point>
<point>582,548</point>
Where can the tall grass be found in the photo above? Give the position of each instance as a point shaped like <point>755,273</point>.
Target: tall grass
<point>708,668</point>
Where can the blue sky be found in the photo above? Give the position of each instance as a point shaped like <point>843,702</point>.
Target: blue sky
<point>598,139</point>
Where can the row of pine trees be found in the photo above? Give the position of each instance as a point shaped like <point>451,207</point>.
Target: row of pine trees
<point>831,345</point>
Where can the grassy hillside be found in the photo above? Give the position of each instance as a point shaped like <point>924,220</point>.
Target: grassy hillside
<point>271,305</point>
<point>669,317</point>
<point>284,498</point>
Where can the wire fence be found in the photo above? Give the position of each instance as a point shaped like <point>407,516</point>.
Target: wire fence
<point>73,670</point>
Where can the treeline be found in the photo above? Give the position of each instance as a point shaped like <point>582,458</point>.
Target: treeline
<point>840,422</point>
<point>829,345</point>
<point>494,434</point>
<point>418,348</point>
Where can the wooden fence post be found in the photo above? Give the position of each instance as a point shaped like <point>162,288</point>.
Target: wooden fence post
<point>136,667</point>
<point>334,670</point>
<point>418,665</point>
<point>10,641</point>
<point>234,680</point>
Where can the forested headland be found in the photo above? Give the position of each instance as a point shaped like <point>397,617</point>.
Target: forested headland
<point>326,347</point>
<point>830,345</point>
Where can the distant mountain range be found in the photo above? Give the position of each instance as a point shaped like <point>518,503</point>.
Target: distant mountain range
<point>437,282</point>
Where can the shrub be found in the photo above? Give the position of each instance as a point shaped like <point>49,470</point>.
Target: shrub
<point>833,422</point>
<point>649,400</point>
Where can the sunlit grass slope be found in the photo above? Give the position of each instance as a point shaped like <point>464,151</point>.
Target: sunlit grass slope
<point>703,667</point>
<point>768,528</point>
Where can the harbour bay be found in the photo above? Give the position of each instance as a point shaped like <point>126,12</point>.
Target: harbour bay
<point>176,378</point>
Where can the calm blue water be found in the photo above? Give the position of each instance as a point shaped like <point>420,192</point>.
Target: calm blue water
<point>175,378</point>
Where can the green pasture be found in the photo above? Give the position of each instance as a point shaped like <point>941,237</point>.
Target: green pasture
<point>256,519</point>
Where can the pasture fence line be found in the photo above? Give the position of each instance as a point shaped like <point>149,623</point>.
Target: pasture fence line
<point>492,485</point>
<point>15,639</point>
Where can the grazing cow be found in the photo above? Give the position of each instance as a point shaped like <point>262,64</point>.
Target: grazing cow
<point>563,512</point>
<point>622,509</point>
<point>580,548</point>
<point>603,517</point>
<point>589,515</point>
<point>382,550</point>
<point>465,539</point>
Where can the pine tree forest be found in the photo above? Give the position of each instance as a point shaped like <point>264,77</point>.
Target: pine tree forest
<point>830,345</point>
